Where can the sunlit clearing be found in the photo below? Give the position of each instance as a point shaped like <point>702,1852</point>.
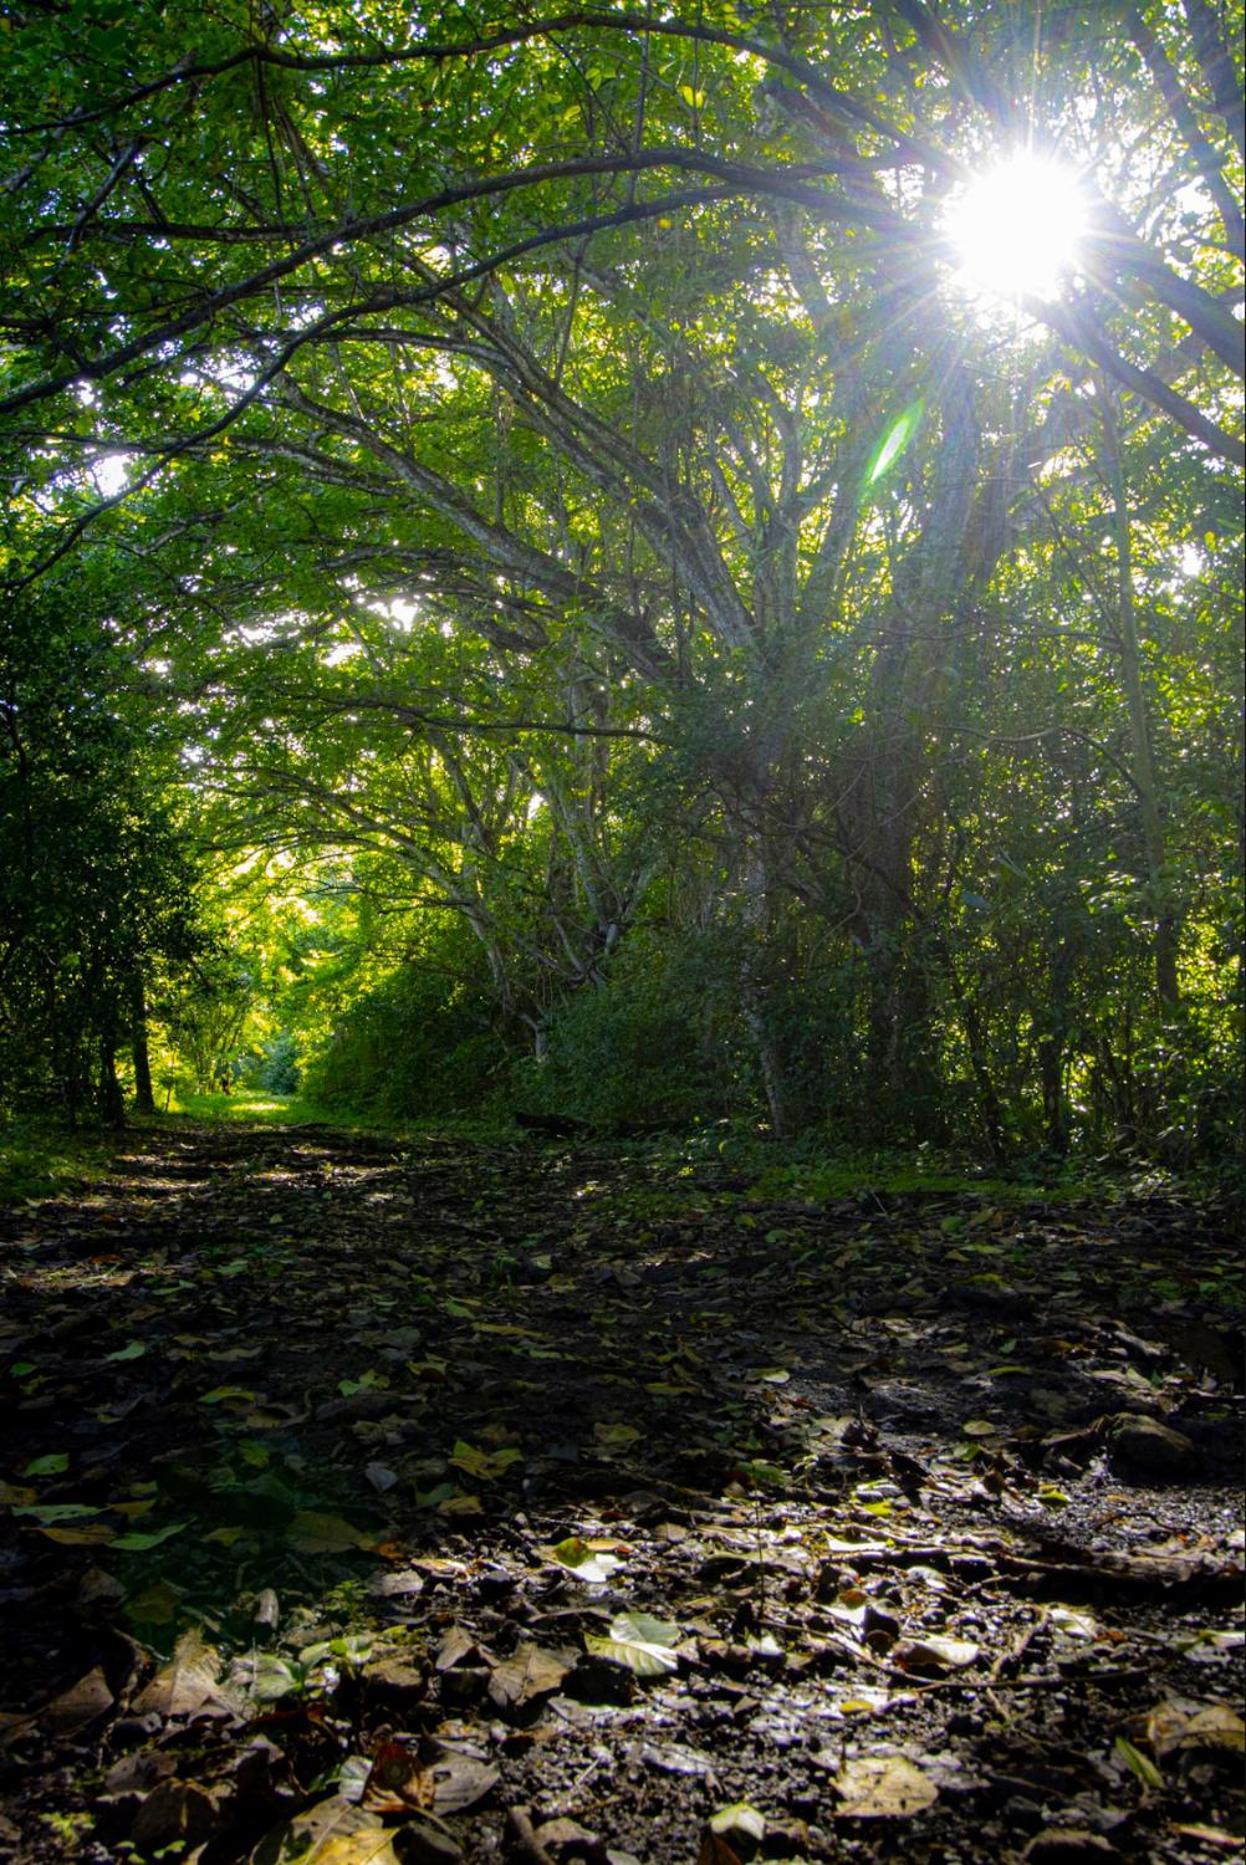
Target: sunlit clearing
<point>1016,229</point>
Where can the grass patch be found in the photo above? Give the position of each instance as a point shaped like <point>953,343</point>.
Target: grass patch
<point>250,1107</point>
<point>39,1159</point>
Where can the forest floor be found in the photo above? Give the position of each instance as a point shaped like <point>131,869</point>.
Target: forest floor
<point>370,1501</point>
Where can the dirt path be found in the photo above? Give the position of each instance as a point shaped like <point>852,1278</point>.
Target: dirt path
<point>547,1504</point>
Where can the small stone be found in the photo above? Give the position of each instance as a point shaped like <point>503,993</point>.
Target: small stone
<point>1145,1448</point>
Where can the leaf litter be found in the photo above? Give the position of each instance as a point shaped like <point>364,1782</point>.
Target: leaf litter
<point>592,1504</point>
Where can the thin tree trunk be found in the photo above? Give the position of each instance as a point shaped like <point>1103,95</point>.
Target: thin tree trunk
<point>752,995</point>
<point>112,1104</point>
<point>144,1099</point>
<point>1145,781</point>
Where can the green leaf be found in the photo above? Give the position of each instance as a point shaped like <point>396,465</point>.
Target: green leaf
<point>57,1511</point>
<point>137,1541</point>
<point>51,1465</point>
<point>485,1466</point>
<point>739,1818</point>
<point>638,1642</point>
<point>1138,1763</point>
<point>593,1565</point>
<point>133,1351</point>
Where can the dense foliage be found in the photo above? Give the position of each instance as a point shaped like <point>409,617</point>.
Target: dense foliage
<point>692,656</point>
<point>96,887</point>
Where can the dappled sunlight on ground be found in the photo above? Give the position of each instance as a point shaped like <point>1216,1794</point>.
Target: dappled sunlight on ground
<point>886,1515</point>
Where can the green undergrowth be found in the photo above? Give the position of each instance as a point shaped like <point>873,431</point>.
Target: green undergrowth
<point>39,1158</point>
<point>807,1168</point>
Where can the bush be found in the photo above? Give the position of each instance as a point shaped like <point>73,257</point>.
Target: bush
<point>276,1069</point>
<point>660,1043</point>
<point>417,1044</point>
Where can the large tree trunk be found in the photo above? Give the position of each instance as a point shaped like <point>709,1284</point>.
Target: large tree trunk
<point>909,674</point>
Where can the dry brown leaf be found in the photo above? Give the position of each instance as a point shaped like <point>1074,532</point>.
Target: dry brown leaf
<point>397,1781</point>
<point>188,1685</point>
<point>333,1832</point>
<point>1175,1726</point>
<point>459,1781</point>
<point>883,1787</point>
<point>77,1707</point>
<point>716,1851</point>
<point>532,1672</point>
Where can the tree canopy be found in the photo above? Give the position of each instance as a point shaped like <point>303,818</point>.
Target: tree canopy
<point>548,476</point>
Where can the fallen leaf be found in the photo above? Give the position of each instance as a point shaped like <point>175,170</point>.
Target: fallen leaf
<point>460,1504</point>
<point>134,1350</point>
<point>485,1466</point>
<point>715,1850</point>
<point>397,1782</point>
<point>615,1437</point>
<point>1212,1836</point>
<point>532,1672</point>
<point>1139,1764</point>
<point>46,1512</point>
<point>188,1685</point>
<point>883,1787</point>
<point>175,1814</point>
<point>739,1818</point>
<point>934,1653</point>
<point>139,1540</point>
<point>312,1532</point>
<point>52,1465</point>
<point>457,1645</point>
<point>591,1564</point>
<point>157,1604</point>
<point>333,1832</point>
<point>1173,1726</point>
<point>91,1535</point>
<point>641,1643</point>
<point>82,1704</point>
<point>459,1782</point>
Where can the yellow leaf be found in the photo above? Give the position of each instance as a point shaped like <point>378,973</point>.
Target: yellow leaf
<point>615,1437</point>
<point>313,1532</point>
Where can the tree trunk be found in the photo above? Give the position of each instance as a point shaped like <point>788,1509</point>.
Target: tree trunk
<point>111,1102</point>
<point>144,1099</point>
<point>753,997</point>
<point>1164,917</point>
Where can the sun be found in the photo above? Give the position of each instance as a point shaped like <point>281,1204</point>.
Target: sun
<point>1015,230</point>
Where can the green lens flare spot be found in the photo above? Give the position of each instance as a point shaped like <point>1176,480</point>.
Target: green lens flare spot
<point>895,441</point>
